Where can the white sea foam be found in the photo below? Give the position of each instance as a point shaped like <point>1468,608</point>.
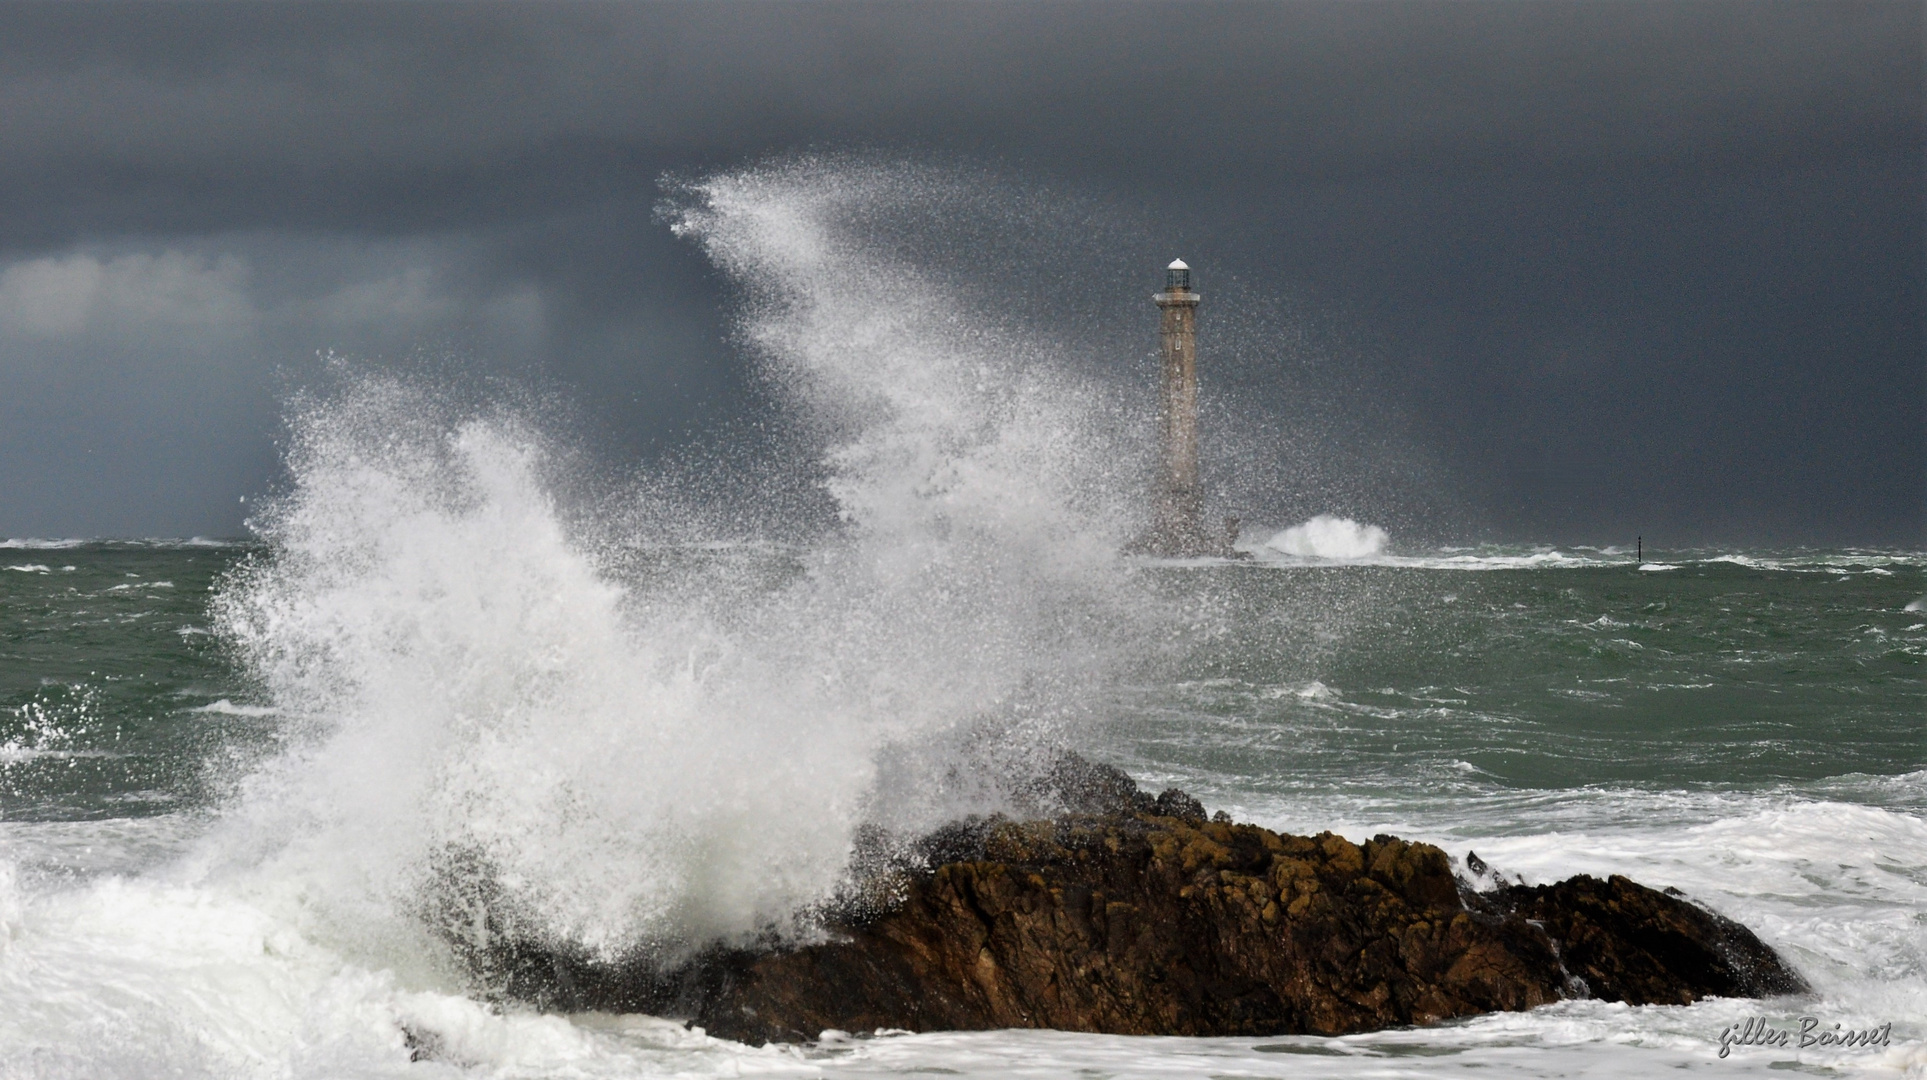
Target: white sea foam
<point>1822,562</point>
<point>464,675</point>
<point>48,853</point>
<point>1329,537</point>
<point>1504,557</point>
<point>65,543</point>
<point>235,977</point>
<point>461,666</point>
<point>224,707</point>
<point>647,766</point>
<point>1444,559</point>
<point>14,752</point>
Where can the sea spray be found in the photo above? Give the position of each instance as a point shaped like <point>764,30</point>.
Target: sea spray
<point>985,486</point>
<point>474,691</point>
<point>1329,537</point>
<point>118,967</point>
<point>1773,713</point>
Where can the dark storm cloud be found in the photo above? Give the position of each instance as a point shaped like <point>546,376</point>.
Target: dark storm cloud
<point>395,115</point>
<point>1626,265</point>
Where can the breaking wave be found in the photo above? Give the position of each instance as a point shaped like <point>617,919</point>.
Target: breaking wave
<point>1328,537</point>
<point>639,751</point>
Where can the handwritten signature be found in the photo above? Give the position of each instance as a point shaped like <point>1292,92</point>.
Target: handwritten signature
<point>1757,1032</point>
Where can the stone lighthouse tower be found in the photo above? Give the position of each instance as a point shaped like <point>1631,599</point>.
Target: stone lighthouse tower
<point>1176,528</point>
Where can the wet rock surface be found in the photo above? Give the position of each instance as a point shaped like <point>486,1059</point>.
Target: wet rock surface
<point>1130,914</point>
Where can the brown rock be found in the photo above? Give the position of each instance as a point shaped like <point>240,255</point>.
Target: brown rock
<point>1629,943</point>
<point>1136,922</point>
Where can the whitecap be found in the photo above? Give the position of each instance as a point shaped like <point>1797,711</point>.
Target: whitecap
<point>14,753</point>
<point>1742,560</point>
<point>1329,537</point>
<point>224,707</point>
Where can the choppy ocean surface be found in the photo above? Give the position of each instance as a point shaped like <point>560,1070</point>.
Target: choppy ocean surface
<point>237,782</point>
<point>1744,725</point>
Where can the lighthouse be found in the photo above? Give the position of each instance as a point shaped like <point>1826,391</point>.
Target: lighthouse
<point>1176,525</point>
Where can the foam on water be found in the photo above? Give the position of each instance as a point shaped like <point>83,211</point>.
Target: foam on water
<point>471,675</point>
<point>1329,537</point>
<point>131,974</point>
<point>468,684</point>
<point>657,768</point>
<point>1348,541</point>
<point>152,542</point>
<point>224,707</point>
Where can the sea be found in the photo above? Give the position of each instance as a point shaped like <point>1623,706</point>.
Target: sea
<point>237,775</point>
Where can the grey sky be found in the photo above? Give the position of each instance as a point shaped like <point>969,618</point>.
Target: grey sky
<point>1605,268</point>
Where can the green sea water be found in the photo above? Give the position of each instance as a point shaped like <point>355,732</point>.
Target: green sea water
<point>1461,673</point>
<point>111,685</point>
<point>1426,683</point>
<point>1748,727</point>
<point>219,836</point>
<point>178,897</point>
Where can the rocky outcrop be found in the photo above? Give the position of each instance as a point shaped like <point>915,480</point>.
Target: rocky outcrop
<point>1624,942</point>
<point>1145,918</point>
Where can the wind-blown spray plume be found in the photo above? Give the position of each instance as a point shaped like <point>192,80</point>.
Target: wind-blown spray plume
<point>634,767</point>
